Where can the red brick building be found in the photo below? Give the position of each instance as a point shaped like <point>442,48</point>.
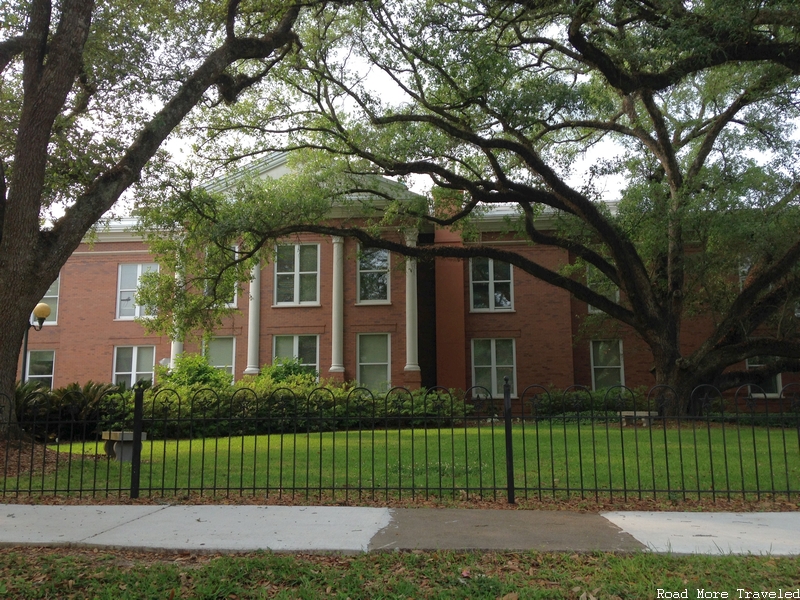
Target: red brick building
<point>370,316</point>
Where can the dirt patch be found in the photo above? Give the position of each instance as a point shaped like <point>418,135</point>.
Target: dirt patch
<point>21,457</point>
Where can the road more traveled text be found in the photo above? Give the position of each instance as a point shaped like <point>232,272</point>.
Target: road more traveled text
<point>739,593</point>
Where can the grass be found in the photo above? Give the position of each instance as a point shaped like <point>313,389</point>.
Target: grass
<point>53,573</point>
<point>550,459</point>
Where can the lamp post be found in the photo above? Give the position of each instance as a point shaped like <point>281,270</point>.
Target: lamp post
<point>40,312</point>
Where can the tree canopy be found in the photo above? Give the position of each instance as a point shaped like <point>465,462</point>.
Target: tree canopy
<point>89,94</point>
<point>662,135</point>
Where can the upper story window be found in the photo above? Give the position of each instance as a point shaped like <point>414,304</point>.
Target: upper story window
<point>51,299</point>
<point>373,276</point>
<point>127,284</point>
<point>597,282</point>
<point>607,365</point>
<point>226,293</point>
<point>491,285</point>
<point>297,274</point>
<point>133,364</point>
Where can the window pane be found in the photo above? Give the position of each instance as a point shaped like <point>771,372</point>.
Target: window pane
<point>308,288</point>
<point>480,295</point>
<point>483,377</point>
<point>284,346</point>
<point>502,271</point>
<point>121,379</point>
<point>373,349</point>
<point>482,350</point>
<point>373,259</point>
<point>374,376</point>
<point>501,373</point>
<point>308,258</point>
<point>502,295</point>
<point>480,269</point>
<point>285,288</point>
<point>504,350</point>
<point>220,352</point>
<point>53,289</point>
<point>307,349</point>
<point>128,276</point>
<point>40,362</point>
<point>606,377</point>
<point>284,260</point>
<point>606,353</point>
<point>373,286</point>
<point>145,358</point>
<point>124,359</point>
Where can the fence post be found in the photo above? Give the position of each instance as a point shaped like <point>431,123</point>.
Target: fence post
<point>136,458</point>
<point>509,440</point>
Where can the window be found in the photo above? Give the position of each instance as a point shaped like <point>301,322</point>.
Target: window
<point>492,360</point>
<point>491,285</point>
<point>41,366</point>
<point>220,353</point>
<point>607,365</point>
<point>373,361</point>
<point>373,276</point>
<point>302,347</point>
<point>51,299</point>
<point>227,291</point>
<point>133,364</point>
<point>129,275</point>
<point>296,270</point>
<point>597,282</point>
<point>771,386</point>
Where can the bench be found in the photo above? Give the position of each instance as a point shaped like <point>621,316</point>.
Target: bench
<point>643,415</point>
<point>119,444</point>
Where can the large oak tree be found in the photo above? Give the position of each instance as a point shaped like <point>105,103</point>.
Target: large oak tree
<point>89,93</point>
<point>691,107</point>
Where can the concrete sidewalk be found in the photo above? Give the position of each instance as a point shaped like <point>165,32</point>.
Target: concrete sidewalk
<point>211,528</point>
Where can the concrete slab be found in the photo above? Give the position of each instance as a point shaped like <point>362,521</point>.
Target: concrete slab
<point>21,524</point>
<point>249,528</point>
<point>464,529</point>
<point>713,533</point>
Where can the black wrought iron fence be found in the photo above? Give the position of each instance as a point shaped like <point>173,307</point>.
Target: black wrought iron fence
<point>354,445</point>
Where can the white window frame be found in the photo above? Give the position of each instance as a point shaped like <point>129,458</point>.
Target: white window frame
<point>232,365</point>
<point>135,365</point>
<point>138,310</point>
<point>591,273</point>
<point>388,362</point>
<point>621,365</point>
<point>296,273</point>
<point>52,301</point>
<point>491,282</point>
<point>29,377</point>
<point>387,272</point>
<point>751,363</point>
<point>295,348</point>
<point>497,383</point>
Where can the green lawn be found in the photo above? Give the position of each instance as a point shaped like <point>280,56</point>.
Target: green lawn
<point>549,460</point>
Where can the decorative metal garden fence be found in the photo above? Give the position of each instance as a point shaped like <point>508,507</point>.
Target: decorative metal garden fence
<point>355,446</point>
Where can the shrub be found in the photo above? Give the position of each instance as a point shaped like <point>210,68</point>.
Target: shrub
<point>193,370</point>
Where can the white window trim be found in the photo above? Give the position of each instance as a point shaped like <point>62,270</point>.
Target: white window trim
<point>134,365</point>
<point>593,310</point>
<point>493,365</point>
<point>295,343</point>
<point>388,357</point>
<point>492,307</point>
<point>621,361</point>
<point>296,274</point>
<point>49,321</point>
<point>138,312</point>
<point>39,377</point>
<point>388,272</point>
<point>777,376</point>
<point>206,353</point>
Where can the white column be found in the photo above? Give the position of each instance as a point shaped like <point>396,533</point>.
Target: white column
<point>412,354</point>
<point>337,307</point>
<point>176,348</point>
<point>254,323</point>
